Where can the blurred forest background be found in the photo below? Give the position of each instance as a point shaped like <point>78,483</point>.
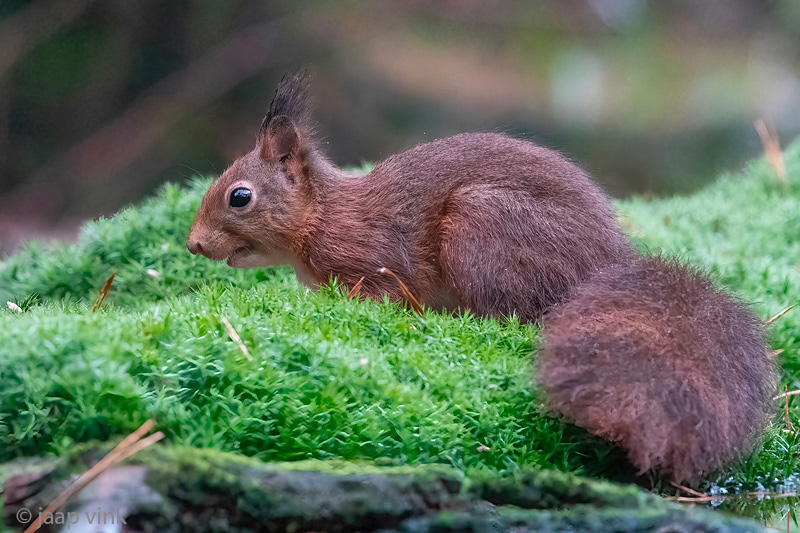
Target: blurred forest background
<point>103,100</point>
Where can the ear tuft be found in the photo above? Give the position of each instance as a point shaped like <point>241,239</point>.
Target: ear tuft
<point>281,140</point>
<point>291,100</point>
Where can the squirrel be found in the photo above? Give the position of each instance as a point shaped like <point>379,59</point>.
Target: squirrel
<point>643,351</point>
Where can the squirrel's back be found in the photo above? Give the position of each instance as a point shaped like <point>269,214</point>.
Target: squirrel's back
<point>495,224</point>
<point>652,356</point>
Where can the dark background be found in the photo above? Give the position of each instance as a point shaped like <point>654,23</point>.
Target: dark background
<point>101,101</point>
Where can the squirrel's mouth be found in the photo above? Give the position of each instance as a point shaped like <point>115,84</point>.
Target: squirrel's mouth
<point>249,256</point>
<point>238,254</point>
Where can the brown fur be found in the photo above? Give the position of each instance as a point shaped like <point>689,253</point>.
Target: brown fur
<point>478,220</point>
<point>651,356</point>
<point>500,226</point>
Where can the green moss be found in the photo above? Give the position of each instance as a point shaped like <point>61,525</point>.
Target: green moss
<point>550,489</point>
<point>336,379</point>
<point>175,461</point>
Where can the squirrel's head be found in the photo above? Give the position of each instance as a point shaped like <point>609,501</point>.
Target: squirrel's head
<point>252,212</point>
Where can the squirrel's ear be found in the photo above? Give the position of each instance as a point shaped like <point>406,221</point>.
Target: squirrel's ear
<point>281,140</point>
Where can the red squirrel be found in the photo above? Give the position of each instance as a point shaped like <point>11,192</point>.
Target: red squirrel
<point>642,351</point>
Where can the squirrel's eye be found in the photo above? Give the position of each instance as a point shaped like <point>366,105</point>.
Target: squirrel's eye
<point>240,197</point>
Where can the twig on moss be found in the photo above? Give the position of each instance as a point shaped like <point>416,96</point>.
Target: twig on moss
<point>776,317</point>
<point>103,293</point>
<point>138,446</point>
<point>786,394</point>
<point>130,445</point>
<point>688,490</point>
<point>357,287</point>
<point>235,338</point>
<point>772,147</point>
<point>407,294</point>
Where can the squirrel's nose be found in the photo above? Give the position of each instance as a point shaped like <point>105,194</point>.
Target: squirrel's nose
<point>194,246</point>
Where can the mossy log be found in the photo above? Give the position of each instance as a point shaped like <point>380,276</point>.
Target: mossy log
<point>169,489</point>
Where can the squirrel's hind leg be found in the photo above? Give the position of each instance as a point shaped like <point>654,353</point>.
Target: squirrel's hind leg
<point>511,251</point>
<point>493,266</point>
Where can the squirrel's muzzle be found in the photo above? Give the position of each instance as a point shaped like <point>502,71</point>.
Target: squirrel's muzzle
<point>194,246</point>
<point>214,245</point>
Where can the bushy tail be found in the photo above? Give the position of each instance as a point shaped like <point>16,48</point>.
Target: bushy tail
<point>653,357</point>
